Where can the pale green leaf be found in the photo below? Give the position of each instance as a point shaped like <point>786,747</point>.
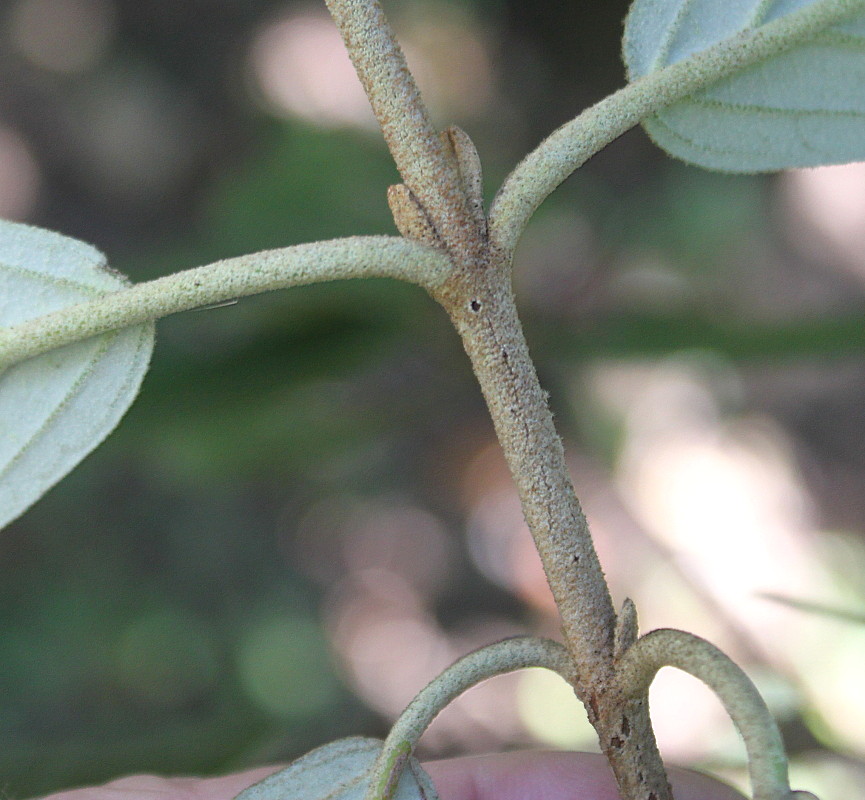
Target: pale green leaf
<point>802,107</point>
<point>55,408</point>
<point>340,770</point>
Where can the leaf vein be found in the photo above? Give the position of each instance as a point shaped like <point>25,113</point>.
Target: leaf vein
<point>839,38</point>
<point>56,280</point>
<point>74,390</point>
<point>758,16</point>
<point>720,151</point>
<point>777,111</point>
<point>667,42</point>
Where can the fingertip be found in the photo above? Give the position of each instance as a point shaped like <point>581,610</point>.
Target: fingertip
<point>552,776</point>
<point>524,776</point>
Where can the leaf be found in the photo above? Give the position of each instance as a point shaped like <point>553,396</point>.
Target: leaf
<point>55,408</point>
<point>340,770</point>
<point>802,107</point>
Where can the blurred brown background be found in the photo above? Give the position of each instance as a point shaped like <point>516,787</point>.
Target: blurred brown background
<point>305,515</point>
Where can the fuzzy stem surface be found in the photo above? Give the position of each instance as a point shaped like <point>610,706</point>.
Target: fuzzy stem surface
<point>481,306</point>
<point>767,760</point>
<point>412,139</point>
<point>353,257</point>
<point>487,662</point>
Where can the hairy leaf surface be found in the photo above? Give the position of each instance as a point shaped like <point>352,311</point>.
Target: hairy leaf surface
<point>340,770</point>
<point>802,107</point>
<point>55,408</point>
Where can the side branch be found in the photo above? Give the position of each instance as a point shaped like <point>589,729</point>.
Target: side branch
<point>767,760</point>
<point>571,145</point>
<point>487,662</point>
<point>353,257</point>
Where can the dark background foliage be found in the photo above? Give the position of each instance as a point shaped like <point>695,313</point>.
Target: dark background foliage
<point>307,496</point>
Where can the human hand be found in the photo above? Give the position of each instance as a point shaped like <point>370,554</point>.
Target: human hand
<point>552,776</point>
<point>507,776</point>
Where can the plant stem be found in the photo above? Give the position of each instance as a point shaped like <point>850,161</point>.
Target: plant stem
<point>479,300</point>
<point>353,257</point>
<point>486,319</point>
<point>397,104</point>
<point>767,761</point>
<point>487,662</point>
<point>481,306</point>
<point>571,145</point>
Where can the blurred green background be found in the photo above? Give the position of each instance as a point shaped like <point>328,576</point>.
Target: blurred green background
<point>304,516</point>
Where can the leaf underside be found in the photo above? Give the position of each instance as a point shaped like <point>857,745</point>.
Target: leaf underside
<point>57,407</point>
<point>340,770</point>
<point>804,107</point>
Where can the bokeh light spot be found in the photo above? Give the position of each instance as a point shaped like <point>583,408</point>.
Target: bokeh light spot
<point>135,136</point>
<point>551,712</point>
<point>301,68</point>
<point>499,541</point>
<point>827,205</point>
<point>166,658</point>
<point>20,176</point>
<point>449,59</point>
<point>65,36</point>
<point>285,668</point>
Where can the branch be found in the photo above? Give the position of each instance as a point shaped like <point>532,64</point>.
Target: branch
<point>396,101</point>
<point>767,761</point>
<point>482,310</point>
<point>353,257</point>
<point>487,662</point>
<point>571,145</point>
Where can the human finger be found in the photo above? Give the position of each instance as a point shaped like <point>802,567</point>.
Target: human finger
<point>552,776</point>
